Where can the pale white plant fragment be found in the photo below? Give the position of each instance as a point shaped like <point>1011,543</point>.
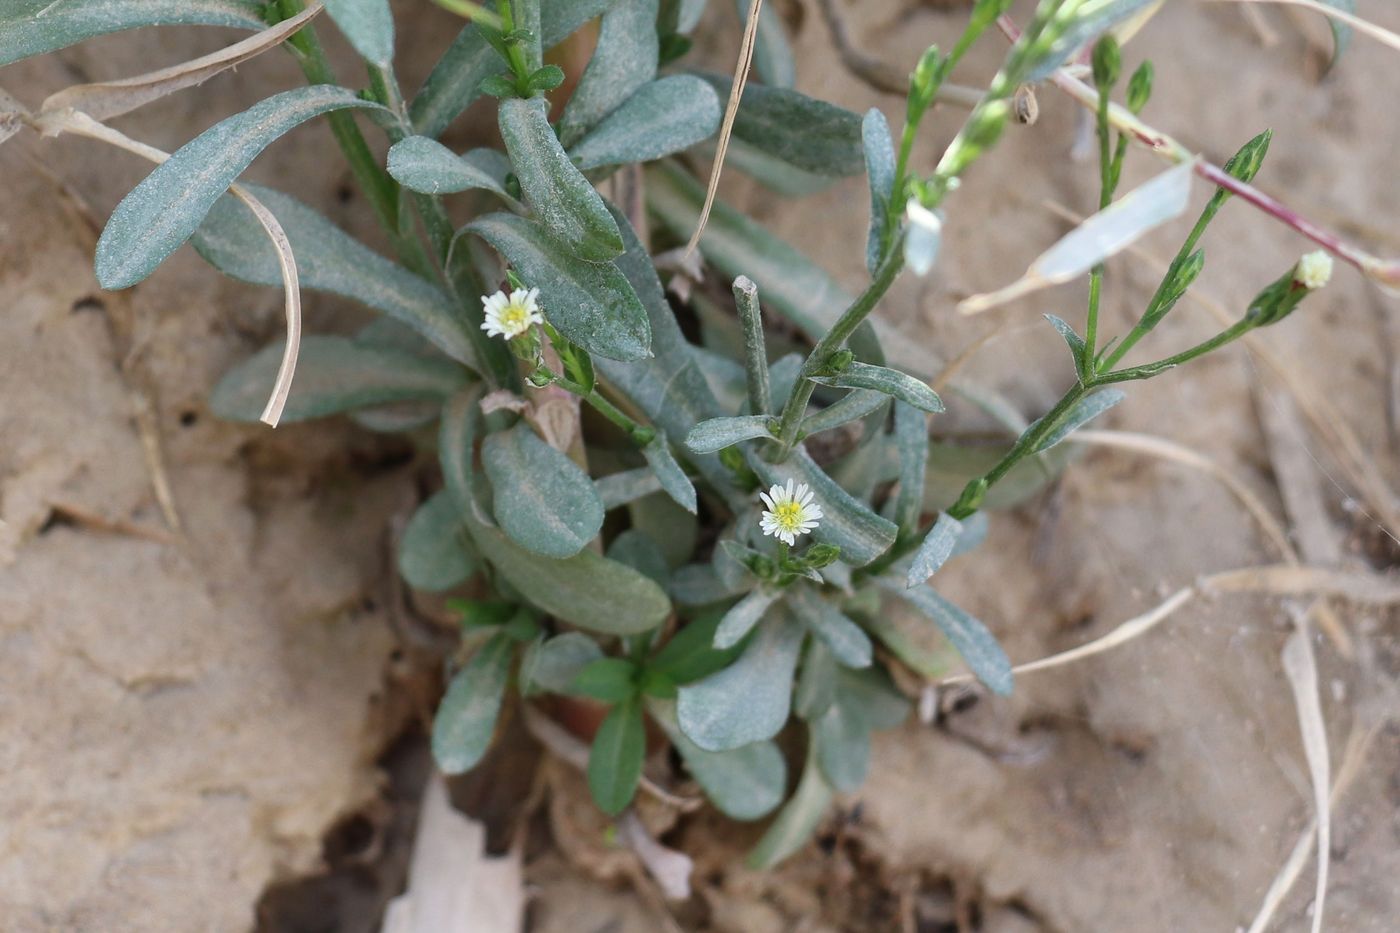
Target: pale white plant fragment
<point>1314,270</point>
<point>1355,22</point>
<point>1300,664</point>
<point>792,511</point>
<point>1103,235</point>
<point>510,316</point>
<point>923,237</point>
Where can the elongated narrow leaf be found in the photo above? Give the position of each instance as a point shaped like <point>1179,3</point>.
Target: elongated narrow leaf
<point>663,117</point>
<point>772,55</point>
<point>847,523</point>
<point>561,198</point>
<point>621,488</point>
<point>842,740</point>
<point>936,548</point>
<point>167,207</point>
<point>743,616</point>
<point>1089,408</point>
<point>749,700</point>
<point>850,407</point>
<point>797,820</point>
<point>1092,20</point>
<point>434,555</point>
<point>615,760</point>
<point>334,374</point>
<point>743,784</point>
<point>672,478</point>
<point>624,59</point>
<point>541,498</point>
<point>847,642</point>
<point>970,637</point>
<point>368,25</point>
<point>669,388</point>
<point>466,718</point>
<point>699,585</point>
<point>426,165</point>
<point>232,241</point>
<point>557,662</point>
<point>1073,340</point>
<point>891,382</point>
<point>33,27</point>
<point>456,79</point>
<point>911,442</point>
<point>1103,235</point>
<point>880,170</point>
<point>611,680</point>
<point>802,131</point>
<point>1341,32</point>
<point>719,433</point>
<point>770,171</point>
<point>590,302</point>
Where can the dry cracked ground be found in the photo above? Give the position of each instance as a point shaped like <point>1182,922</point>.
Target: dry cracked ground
<point>208,692</point>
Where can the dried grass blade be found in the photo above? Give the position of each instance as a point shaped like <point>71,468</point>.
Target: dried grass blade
<point>736,93</point>
<point>108,99</point>
<point>291,287</point>
<point>1300,664</point>
<point>1286,580</point>
<point>1380,34</point>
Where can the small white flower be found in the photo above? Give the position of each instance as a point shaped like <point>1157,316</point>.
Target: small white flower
<point>1314,270</point>
<point>513,316</point>
<point>791,512</point>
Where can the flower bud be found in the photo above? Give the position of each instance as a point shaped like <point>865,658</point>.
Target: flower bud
<point>1140,87</point>
<point>1314,270</point>
<point>1246,163</point>
<point>1108,63</point>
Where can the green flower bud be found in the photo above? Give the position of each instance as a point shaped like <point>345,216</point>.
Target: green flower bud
<point>1140,87</point>
<point>1246,163</point>
<point>1108,63</point>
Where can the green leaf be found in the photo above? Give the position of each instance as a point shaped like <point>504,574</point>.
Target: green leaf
<point>661,118</point>
<point>1075,342</point>
<point>1092,20</point>
<point>801,131</point>
<point>847,523</point>
<point>816,683</point>
<point>718,433</point>
<point>334,374</point>
<point>368,25</point>
<point>673,529</point>
<point>880,169</point>
<point>611,680</point>
<point>639,550</point>
<point>466,718</point>
<point>672,478</point>
<point>936,548</point>
<point>623,60</point>
<point>454,81</point>
<point>558,194</point>
<point>556,663</point>
<point>743,616</point>
<point>1341,32</point>
<point>541,498</point>
<point>528,16</point>
<point>232,241</point>
<point>744,783</point>
<point>911,441</point>
<point>842,740</point>
<point>167,207</point>
<point>772,56</point>
<point>690,654</point>
<point>749,700</point>
<point>797,820</point>
<point>770,171</point>
<point>1086,410</point>
<point>426,165</point>
<point>591,303</point>
<point>850,407</point>
<point>846,640</point>
<point>33,27</point>
<point>547,78</point>
<point>617,489</point>
<point>433,554</point>
<point>891,382</point>
<point>970,637</point>
<point>615,761</point>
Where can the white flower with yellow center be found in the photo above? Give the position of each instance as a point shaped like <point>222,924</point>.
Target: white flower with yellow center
<point>1314,270</point>
<point>513,316</point>
<point>791,511</point>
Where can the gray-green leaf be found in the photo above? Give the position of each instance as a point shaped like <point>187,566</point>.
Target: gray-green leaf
<point>334,374</point>
<point>232,241</point>
<point>33,27</point>
<point>540,497</point>
<point>562,199</point>
<point>623,60</point>
<point>802,131</point>
<point>1087,409</point>
<point>891,382</point>
<point>466,718</point>
<point>617,489</point>
<point>719,433</point>
<point>749,700</point>
<point>772,56</point>
<point>798,818</point>
<point>433,555</point>
<point>743,616</point>
<point>422,164</point>
<point>880,169</point>
<point>368,25</point>
<point>846,640</point>
<point>911,442</point>
<point>590,302</point>
<point>936,548</point>
<point>743,784</point>
<point>850,407</point>
<point>557,662</point>
<point>167,207</point>
<point>672,478</point>
<point>970,637</point>
<point>662,117</point>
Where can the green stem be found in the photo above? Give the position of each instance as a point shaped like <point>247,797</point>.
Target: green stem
<point>835,338</point>
<point>1147,371</point>
<point>755,348</point>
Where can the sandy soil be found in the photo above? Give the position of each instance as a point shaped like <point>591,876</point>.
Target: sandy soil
<point>215,697</point>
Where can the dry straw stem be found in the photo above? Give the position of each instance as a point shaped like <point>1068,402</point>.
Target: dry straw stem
<point>1384,36</point>
<point>1300,664</point>
<point>736,93</point>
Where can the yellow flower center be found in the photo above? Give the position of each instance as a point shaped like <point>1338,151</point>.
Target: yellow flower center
<point>515,317</point>
<point>787,516</point>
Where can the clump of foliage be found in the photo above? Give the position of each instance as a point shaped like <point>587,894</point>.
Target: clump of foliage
<point>684,553</point>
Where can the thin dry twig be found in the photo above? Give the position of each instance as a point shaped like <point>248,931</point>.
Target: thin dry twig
<point>1300,664</point>
<point>736,93</point>
<point>1384,36</point>
<point>86,518</point>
